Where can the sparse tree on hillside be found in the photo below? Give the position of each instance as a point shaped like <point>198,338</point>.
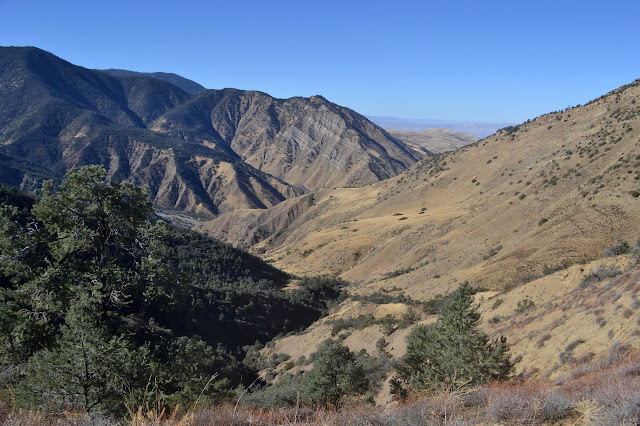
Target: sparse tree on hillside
<point>336,373</point>
<point>453,352</point>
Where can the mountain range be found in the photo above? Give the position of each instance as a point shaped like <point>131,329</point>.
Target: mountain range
<point>479,130</point>
<point>203,153</point>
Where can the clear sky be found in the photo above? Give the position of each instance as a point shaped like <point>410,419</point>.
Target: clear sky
<point>485,61</point>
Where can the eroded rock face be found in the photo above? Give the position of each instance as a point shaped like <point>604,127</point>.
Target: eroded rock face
<point>306,142</point>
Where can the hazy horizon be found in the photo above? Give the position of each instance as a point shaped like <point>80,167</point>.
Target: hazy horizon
<point>498,62</point>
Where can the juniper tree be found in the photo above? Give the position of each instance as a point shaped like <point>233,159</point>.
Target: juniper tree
<point>453,352</point>
<point>335,374</point>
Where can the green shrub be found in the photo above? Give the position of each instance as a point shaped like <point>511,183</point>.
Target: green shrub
<point>524,305</point>
<point>288,366</point>
<point>452,353</point>
<point>335,375</point>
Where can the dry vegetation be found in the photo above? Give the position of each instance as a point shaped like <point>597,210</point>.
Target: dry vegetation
<point>538,214</point>
<point>607,392</point>
<point>557,190</point>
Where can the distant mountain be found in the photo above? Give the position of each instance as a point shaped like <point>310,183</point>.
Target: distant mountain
<point>207,153</point>
<point>55,115</point>
<point>185,84</point>
<point>307,142</point>
<point>481,130</point>
<point>435,140</point>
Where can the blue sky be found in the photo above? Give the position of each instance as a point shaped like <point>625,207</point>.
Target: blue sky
<point>485,61</point>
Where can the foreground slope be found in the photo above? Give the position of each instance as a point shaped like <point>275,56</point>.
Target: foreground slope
<point>552,191</point>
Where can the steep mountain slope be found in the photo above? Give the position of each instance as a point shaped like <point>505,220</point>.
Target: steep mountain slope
<point>552,191</point>
<point>206,153</point>
<point>306,142</point>
<point>185,84</point>
<point>56,116</point>
<point>435,140</point>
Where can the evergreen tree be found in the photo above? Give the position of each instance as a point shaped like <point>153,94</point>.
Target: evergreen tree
<point>101,305</point>
<point>78,277</point>
<point>335,374</point>
<point>454,352</point>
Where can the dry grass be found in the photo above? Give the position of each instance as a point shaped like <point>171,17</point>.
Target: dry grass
<point>604,392</point>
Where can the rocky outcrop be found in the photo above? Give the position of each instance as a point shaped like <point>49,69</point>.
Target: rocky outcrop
<point>307,142</point>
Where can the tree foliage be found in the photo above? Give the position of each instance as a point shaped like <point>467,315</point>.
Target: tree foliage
<point>102,304</point>
<point>454,352</point>
<point>336,373</point>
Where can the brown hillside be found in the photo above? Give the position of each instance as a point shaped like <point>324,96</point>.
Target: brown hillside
<point>306,142</point>
<point>552,191</point>
<point>556,325</point>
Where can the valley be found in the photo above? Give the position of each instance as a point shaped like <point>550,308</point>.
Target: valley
<point>359,236</point>
<point>534,216</point>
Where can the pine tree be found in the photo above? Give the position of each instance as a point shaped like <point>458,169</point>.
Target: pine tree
<point>452,353</point>
<point>77,278</point>
<point>335,374</point>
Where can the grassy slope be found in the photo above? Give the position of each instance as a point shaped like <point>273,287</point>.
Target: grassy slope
<point>466,219</point>
<point>575,169</point>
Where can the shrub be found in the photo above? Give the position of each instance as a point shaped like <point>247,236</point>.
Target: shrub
<point>454,352</point>
<point>335,374</point>
<point>599,274</point>
<point>556,407</point>
<point>621,248</point>
<point>524,305</point>
<point>288,366</point>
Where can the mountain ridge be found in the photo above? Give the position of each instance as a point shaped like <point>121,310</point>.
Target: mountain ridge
<point>199,153</point>
<point>183,83</point>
